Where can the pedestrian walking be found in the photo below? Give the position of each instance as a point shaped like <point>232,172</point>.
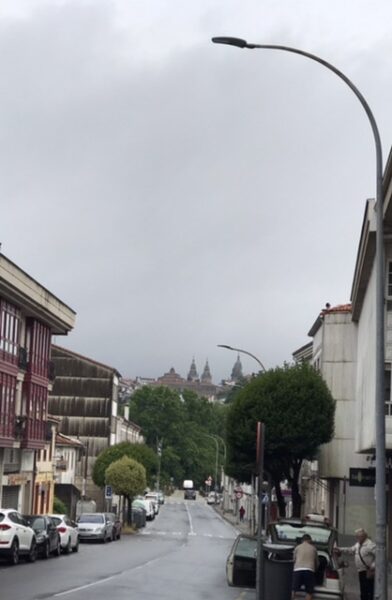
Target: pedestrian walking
<point>305,567</point>
<point>364,552</point>
<point>242,513</point>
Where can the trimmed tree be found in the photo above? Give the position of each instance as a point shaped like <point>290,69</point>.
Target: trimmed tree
<point>140,452</point>
<point>298,410</point>
<point>127,478</point>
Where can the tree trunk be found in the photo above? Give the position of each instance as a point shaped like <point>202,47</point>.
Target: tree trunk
<point>279,497</point>
<point>129,511</point>
<point>295,493</point>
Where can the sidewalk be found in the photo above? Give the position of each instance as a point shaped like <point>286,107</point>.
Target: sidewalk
<point>350,573</point>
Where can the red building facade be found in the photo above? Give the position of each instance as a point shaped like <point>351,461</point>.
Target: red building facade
<point>29,315</point>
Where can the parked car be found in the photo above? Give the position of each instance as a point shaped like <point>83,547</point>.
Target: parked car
<point>68,530</point>
<point>329,576</point>
<point>153,497</point>
<point>161,497</point>
<point>95,526</point>
<point>241,562</point>
<point>116,525</point>
<point>147,505</point>
<point>46,534</point>
<point>17,538</point>
<point>212,498</point>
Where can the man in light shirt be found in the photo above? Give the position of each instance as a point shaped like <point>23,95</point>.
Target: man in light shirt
<point>364,551</point>
<point>305,567</point>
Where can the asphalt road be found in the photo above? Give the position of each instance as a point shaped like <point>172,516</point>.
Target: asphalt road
<point>181,554</point>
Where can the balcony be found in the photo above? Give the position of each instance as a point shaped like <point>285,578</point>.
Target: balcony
<point>34,434</point>
<point>61,465</point>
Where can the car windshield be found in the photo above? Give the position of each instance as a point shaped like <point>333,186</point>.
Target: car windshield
<point>36,522</point>
<point>246,547</point>
<point>2,517</point>
<point>290,532</point>
<point>91,519</point>
<point>56,520</point>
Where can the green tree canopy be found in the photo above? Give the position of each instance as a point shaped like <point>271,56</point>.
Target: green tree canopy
<point>140,452</point>
<point>179,422</point>
<point>298,411</point>
<point>127,477</point>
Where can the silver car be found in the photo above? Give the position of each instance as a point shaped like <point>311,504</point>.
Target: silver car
<point>95,526</point>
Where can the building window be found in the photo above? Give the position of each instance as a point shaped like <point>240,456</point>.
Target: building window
<point>7,404</point>
<point>38,341</point>
<point>9,330</point>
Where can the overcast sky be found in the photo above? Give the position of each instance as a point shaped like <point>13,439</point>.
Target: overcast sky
<point>178,194</point>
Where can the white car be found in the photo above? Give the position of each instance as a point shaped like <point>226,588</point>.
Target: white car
<point>212,498</point>
<point>148,507</point>
<point>69,536</point>
<point>154,498</point>
<point>17,538</point>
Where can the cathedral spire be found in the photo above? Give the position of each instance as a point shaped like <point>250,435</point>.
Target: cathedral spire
<point>236,373</point>
<point>206,377</point>
<point>192,375</point>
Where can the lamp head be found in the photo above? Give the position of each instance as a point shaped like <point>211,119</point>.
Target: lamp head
<point>224,346</point>
<point>230,41</point>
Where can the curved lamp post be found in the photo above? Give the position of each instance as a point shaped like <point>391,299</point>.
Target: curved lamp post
<point>381,581</point>
<point>244,352</point>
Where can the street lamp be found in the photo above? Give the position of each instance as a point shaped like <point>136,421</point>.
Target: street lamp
<point>213,437</point>
<point>380,496</point>
<point>243,352</point>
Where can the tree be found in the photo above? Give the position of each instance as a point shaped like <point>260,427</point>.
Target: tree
<point>180,422</point>
<point>297,409</point>
<point>59,508</point>
<point>127,478</point>
<point>140,452</point>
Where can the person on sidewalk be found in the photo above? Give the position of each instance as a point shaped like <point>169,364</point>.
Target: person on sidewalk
<point>242,513</point>
<point>305,567</point>
<point>364,551</point>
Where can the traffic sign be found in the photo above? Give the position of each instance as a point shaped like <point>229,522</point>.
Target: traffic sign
<point>108,492</point>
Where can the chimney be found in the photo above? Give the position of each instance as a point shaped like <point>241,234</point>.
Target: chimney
<point>126,413</point>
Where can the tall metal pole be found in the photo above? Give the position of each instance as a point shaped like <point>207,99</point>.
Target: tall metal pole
<point>381,513</point>
<point>260,477</point>
<point>213,437</point>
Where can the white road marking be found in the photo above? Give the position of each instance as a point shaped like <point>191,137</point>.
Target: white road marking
<point>84,587</point>
<point>190,520</point>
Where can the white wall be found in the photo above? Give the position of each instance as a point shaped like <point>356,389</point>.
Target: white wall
<point>336,343</point>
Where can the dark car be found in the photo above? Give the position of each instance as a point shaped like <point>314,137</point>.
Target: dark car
<point>241,562</point>
<point>116,525</point>
<point>46,534</point>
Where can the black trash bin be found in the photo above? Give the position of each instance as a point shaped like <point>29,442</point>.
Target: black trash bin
<point>138,517</point>
<point>277,571</point>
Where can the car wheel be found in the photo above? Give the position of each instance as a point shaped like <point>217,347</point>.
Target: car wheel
<point>67,548</point>
<point>32,555</point>
<point>14,553</point>
<point>76,547</point>
<point>46,550</point>
<point>119,535</point>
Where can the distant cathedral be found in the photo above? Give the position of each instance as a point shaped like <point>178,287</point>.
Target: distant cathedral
<point>202,386</point>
